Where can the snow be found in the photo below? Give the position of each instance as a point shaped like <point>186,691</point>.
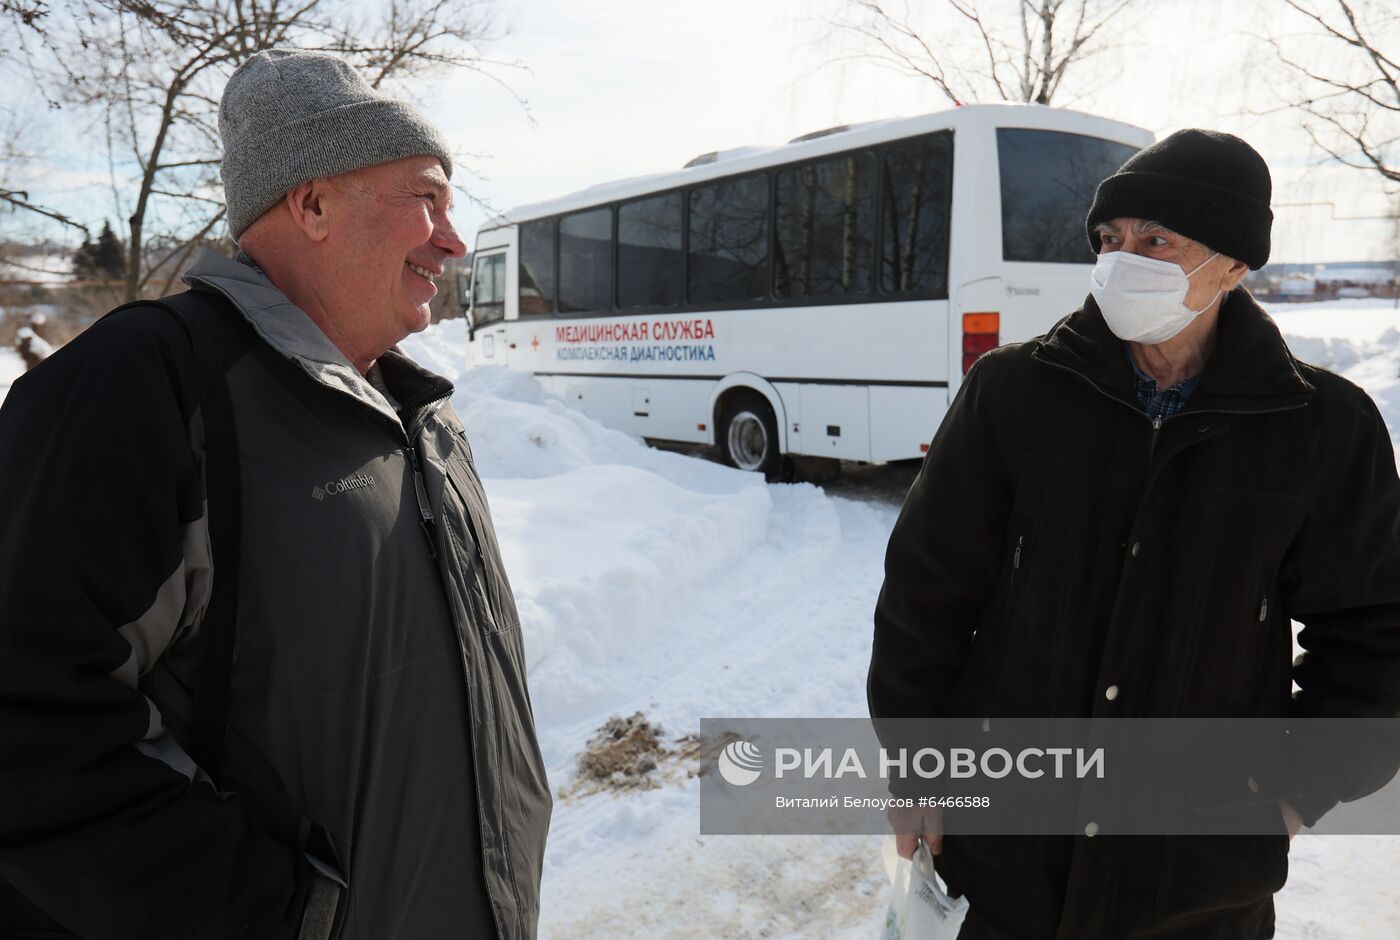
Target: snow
<point>37,344</point>
<point>49,270</point>
<point>655,582</point>
<point>11,368</point>
<point>1358,339</point>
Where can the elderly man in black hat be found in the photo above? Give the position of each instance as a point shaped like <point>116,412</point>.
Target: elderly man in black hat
<point>1120,519</point>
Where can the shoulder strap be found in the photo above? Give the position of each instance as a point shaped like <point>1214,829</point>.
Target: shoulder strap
<point>210,326</point>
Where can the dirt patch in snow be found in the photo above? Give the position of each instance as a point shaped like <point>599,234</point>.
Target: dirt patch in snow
<point>630,754</point>
<point>622,755</point>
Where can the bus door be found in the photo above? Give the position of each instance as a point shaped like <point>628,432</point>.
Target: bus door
<point>489,308</point>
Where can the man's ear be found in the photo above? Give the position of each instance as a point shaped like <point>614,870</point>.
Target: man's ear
<point>310,206</point>
<point>1233,275</point>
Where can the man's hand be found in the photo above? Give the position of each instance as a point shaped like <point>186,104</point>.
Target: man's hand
<point>1291,820</point>
<point>911,824</point>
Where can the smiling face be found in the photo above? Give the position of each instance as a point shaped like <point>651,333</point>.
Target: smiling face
<point>1216,276</point>
<point>391,238</point>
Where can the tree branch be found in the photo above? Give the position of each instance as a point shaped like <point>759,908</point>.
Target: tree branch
<point>20,200</point>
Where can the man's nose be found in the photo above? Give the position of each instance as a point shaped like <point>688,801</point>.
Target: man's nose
<point>446,238</point>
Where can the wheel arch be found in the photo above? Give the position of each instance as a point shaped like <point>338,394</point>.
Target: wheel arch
<point>748,382</point>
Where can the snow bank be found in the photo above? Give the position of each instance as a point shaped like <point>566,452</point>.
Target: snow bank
<point>1348,319</point>
<point>1360,340</point>
<point>605,557</point>
<point>607,541</point>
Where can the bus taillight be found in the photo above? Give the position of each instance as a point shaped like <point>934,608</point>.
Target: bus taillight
<point>981,332</point>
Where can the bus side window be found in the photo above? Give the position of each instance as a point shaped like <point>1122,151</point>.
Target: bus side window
<point>537,268</point>
<point>824,241</point>
<point>585,261</point>
<point>728,260</point>
<point>916,212</point>
<point>649,252</point>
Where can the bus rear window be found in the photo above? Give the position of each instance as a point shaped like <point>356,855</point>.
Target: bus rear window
<point>1048,180</point>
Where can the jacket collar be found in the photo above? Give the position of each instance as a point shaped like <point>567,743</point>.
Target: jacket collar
<point>288,330</point>
<point>1250,369</point>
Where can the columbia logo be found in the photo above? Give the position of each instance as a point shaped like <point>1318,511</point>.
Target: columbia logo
<point>358,482</point>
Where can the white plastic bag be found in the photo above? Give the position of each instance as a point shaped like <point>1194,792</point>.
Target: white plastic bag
<point>920,908</point>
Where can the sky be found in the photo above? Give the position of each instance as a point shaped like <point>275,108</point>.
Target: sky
<point>619,88</point>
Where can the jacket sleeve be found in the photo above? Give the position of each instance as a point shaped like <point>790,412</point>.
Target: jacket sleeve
<point>105,825</point>
<point>943,559</point>
<point>1343,585</point>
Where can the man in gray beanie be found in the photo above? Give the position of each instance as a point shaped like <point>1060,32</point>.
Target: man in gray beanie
<point>264,675</point>
<point>1119,520</point>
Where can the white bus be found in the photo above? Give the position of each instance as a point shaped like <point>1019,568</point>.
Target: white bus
<point>822,298</point>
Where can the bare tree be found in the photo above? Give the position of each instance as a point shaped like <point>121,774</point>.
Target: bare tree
<point>1351,95</point>
<point>26,13</point>
<point>1020,56</point>
<point>19,21</point>
<point>152,71</point>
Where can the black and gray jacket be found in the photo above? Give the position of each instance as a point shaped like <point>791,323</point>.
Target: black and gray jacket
<point>379,684</point>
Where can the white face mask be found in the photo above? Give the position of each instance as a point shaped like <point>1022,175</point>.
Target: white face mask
<point>1143,300</point>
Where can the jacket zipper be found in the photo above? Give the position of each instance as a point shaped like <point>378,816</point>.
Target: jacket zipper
<point>1015,567</point>
<point>428,524</point>
<point>1152,444</point>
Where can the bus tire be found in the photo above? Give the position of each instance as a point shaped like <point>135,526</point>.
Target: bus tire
<point>748,434</point>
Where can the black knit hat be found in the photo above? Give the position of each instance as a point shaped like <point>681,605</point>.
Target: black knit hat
<point>1211,187</point>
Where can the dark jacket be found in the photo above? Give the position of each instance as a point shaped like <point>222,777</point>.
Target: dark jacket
<point>1058,542</point>
<point>379,685</point>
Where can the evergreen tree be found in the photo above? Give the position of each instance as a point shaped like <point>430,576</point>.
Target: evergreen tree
<point>104,258</point>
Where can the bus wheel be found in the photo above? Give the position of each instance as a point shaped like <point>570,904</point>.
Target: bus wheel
<point>748,435</point>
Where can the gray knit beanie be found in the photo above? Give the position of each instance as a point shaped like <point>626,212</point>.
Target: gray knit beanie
<point>289,116</point>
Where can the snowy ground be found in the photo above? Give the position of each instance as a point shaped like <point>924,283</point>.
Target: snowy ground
<point>656,582</point>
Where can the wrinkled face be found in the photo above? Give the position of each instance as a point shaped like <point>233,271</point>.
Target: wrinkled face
<point>393,238</point>
<point>1152,240</point>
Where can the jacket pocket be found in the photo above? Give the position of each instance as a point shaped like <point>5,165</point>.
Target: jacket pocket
<point>1218,872</point>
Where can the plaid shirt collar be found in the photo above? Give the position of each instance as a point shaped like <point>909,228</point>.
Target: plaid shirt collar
<point>1159,403</point>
